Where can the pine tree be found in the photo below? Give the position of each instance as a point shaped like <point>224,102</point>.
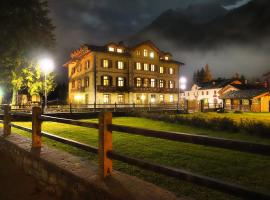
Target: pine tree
<point>207,76</point>
<point>26,32</point>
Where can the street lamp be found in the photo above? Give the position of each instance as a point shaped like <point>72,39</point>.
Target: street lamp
<point>46,66</point>
<point>1,95</point>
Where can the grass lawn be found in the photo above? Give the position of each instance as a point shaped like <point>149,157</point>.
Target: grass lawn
<point>262,117</point>
<point>250,170</point>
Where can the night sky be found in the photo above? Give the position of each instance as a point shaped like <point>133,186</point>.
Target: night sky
<point>102,21</point>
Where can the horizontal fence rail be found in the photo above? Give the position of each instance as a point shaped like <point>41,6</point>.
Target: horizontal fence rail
<point>70,121</point>
<point>205,181</point>
<point>196,139</point>
<point>106,154</point>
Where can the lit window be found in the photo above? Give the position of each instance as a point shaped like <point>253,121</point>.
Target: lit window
<point>153,67</point>
<point>171,98</point>
<point>119,50</point>
<point>79,83</point>
<point>106,98</point>
<point>138,53</point>
<point>111,49</point>
<point>120,98</point>
<point>87,64</point>
<point>161,98</point>
<point>171,71</point>
<point>152,54</point>
<point>161,70</point>
<point>86,82</point>
<point>120,82</point>
<point>138,82</point>
<point>120,65</point>
<point>153,98</point>
<point>145,82</point>
<point>161,83</point>
<point>171,84</point>
<point>105,63</point>
<point>105,81</point>
<point>166,57</point>
<point>145,53</point>
<point>153,82</point>
<point>146,67</point>
<point>138,66</point>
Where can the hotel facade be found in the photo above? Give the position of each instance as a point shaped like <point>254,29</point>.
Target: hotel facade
<point>115,73</point>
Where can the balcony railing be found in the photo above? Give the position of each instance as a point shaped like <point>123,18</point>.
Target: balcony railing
<point>101,88</point>
<point>81,89</point>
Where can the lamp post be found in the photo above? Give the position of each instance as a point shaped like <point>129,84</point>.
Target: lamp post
<point>46,66</point>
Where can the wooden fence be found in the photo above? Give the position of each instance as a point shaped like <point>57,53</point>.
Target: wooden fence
<point>106,154</point>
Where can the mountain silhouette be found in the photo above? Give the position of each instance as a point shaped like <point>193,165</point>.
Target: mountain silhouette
<point>209,25</point>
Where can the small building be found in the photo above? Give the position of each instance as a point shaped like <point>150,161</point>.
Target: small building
<point>208,92</point>
<point>254,100</point>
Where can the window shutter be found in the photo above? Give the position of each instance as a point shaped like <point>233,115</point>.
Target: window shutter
<point>125,65</point>
<point>102,63</point>
<point>101,80</point>
<point>116,64</point>
<point>135,65</point>
<point>110,81</point>
<point>110,63</point>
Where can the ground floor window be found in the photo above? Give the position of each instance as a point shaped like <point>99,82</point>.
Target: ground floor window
<point>121,98</point>
<point>161,98</point>
<point>245,102</point>
<point>171,98</point>
<point>153,98</point>
<point>106,98</point>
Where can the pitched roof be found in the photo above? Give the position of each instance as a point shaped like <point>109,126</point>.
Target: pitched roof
<point>215,84</point>
<point>244,94</point>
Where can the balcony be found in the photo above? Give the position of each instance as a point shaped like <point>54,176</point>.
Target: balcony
<point>81,89</point>
<point>154,89</point>
<point>101,88</point>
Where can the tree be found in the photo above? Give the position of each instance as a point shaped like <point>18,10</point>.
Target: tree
<point>27,31</point>
<point>207,76</point>
<point>34,80</point>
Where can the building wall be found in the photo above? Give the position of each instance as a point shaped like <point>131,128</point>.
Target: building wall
<point>210,96</point>
<point>79,93</point>
<point>265,101</point>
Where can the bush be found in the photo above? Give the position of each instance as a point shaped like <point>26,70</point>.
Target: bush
<point>238,112</point>
<point>224,124</point>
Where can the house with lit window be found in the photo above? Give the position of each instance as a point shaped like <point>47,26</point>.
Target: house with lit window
<point>254,100</point>
<point>209,92</point>
<point>115,73</point>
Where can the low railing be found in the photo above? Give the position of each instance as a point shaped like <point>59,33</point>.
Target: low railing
<point>113,107</point>
<point>106,154</point>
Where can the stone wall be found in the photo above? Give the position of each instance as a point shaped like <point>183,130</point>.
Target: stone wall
<point>69,177</point>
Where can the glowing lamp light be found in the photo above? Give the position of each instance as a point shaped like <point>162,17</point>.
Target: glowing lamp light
<point>78,97</point>
<point>143,97</point>
<point>153,100</point>
<point>1,92</point>
<point>183,80</point>
<point>46,65</point>
<point>183,87</point>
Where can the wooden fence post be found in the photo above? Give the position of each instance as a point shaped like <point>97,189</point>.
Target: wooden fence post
<point>7,120</point>
<point>36,127</point>
<point>105,144</point>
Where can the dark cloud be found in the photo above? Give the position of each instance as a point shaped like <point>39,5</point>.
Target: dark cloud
<point>101,21</point>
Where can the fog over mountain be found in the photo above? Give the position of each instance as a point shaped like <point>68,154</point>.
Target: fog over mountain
<point>229,41</point>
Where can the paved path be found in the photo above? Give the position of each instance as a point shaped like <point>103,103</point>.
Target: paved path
<point>15,185</point>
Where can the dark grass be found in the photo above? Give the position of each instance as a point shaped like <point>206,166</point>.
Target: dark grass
<point>250,170</point>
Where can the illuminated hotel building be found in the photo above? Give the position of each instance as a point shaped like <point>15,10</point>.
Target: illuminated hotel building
<point>115,73</point>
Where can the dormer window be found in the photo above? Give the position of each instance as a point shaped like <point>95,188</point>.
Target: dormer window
<point>152,54</point>
<point>145,53</point>
<point>111,49</point>
<point>119,50</point>
<point>166,57</point>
